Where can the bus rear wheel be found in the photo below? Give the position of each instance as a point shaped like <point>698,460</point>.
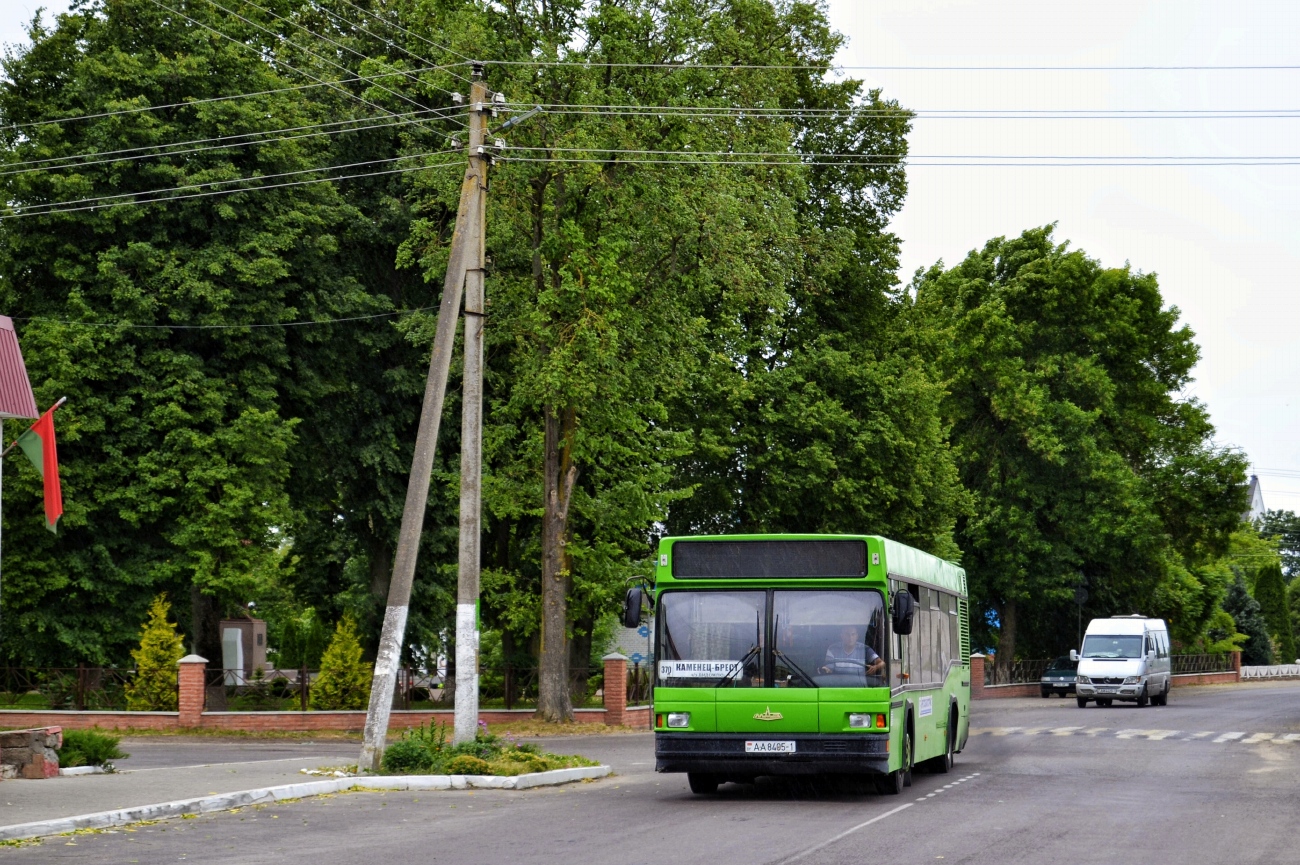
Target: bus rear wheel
<point>891,784</point>
<point>701,783</point>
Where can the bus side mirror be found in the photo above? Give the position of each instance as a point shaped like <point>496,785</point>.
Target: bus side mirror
<point>904,612</point>
<point>632,607</point>
<point>1074,655</point>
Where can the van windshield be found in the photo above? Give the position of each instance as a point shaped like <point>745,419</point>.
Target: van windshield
<point>1127,646</point>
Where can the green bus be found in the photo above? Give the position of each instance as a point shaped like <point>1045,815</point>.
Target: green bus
<point>806,654</point>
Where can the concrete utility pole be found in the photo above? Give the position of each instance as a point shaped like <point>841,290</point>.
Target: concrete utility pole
<point>466,253</point>
<point>471,438</point>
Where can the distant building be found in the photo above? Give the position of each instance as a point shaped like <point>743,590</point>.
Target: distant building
<point>1256,511</point>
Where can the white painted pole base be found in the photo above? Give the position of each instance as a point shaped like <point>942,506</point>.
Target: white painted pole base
<point>466,673</point>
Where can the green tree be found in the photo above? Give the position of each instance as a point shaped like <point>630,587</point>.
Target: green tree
<point>153,688</point>
<point>1084,464</point>
<point>178,444</point>
<point>1284,528</point>
<point>1270,593</point>
<point>344,680</point>
<point>1257,649</point>
<point>1293,606</point>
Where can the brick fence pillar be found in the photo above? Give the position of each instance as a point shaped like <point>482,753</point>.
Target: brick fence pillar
<point>615,689</point>
<point>1236,664</point>
<point>976,676</point>
<point>193,671</point>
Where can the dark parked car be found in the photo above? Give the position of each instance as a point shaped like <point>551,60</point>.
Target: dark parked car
<point>1058,678</point>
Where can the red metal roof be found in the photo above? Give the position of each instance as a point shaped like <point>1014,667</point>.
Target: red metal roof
<point>16,398</point>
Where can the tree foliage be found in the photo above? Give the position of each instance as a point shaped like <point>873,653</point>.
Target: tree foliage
<point>1270,593</point>
<point>1283,527</point>
<point>1257,649</point>
<point>1085,466</point>
<point>344,680</point>
<point>153,688</point>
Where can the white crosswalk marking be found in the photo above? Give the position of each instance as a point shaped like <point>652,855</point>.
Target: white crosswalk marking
<point>1131,733</point>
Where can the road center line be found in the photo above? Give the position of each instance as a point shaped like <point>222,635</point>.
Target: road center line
<point>846,833</point>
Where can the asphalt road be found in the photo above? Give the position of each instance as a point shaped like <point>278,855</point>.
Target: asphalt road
<point>1212,778</point>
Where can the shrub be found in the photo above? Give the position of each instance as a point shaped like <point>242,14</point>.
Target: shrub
<point>405,756</point>
<point>154,687</point>
<point>89,748</point>
<point>467,764</point>
<point>344,681</point>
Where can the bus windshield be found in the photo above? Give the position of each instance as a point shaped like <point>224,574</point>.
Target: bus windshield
<point>750,639</point>
<point>1125,646</point>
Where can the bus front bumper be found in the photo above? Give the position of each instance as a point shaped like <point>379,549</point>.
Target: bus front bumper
<point>814,754</point>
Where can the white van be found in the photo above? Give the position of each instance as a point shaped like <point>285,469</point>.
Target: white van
<point>1124,658</point>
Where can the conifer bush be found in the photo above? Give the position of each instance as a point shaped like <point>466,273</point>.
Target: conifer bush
<point>344,680</point>
<point>154,687</point>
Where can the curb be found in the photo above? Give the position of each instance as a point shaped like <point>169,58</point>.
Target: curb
<point>266,795</point>
<point>84,770</point>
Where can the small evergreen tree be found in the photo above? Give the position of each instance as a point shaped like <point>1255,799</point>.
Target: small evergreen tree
<point>1270,592</point>
<point>154,687</point>
<point>344,681</point>
<point>1258,650</point>
<point>1293,604</point>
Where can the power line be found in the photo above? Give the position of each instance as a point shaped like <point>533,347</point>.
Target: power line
<point>236,191</point>
<point>866,161</point>
<point>230,98</point>
<point>125,325</point>
<point>262,56</point>
<point>702,111</point>
<point>132,153</point>
<point>827,67</point>
<point>117,200</point>
<point>796,155</point>
<point>281,37</point>
<point>402,29</point>
<point>390,42</point>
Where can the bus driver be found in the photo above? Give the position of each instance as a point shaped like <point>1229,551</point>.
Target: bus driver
<point>852,656</point>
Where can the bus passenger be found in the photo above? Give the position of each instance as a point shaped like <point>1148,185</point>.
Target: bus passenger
<point>851,655</point>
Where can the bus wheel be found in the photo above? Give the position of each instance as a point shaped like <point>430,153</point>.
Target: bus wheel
<point>906,770</point>
<point>890,784</point>
<point>942,765</point>
<point>702,783</point>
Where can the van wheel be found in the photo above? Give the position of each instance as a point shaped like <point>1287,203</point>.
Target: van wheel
<point>702,783</point>
<point>1142,699</point>
<point>1082,701</point>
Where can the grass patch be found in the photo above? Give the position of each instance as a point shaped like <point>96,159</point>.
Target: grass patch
<point>427,750</point>
<point>90,748</point>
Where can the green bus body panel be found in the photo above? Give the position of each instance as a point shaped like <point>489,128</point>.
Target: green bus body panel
<point>826,710</point>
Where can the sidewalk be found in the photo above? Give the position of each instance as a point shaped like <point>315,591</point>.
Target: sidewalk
<point>29,801</point>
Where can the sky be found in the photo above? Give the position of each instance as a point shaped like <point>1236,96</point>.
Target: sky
<point>1222,239</point>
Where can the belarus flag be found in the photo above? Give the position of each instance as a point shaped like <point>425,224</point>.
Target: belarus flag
<point>38,444</point>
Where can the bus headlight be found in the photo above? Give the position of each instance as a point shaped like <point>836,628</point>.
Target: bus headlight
<point>859,720</point>
<point>679,719</point>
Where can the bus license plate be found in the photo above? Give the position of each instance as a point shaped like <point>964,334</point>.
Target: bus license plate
<point>769,747</point>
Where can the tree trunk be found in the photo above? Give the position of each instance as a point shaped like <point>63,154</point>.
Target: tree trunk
<point>554,701</point>
<point>205,639</point>
<point>1006,641</point>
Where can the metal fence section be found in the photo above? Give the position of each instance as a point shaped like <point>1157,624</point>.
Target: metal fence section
<point>81,688</point>
<point>1218,663</point>
<point>1016,672</point>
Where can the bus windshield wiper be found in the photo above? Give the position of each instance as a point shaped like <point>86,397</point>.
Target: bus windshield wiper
<point>745,659</point>
<point>753,650</point>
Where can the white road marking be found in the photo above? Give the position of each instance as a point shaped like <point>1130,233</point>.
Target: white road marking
<point>1257,738</point>
<point>1004,731</point>
<point>1064,731</point>
<point>846,833</point>
<point>1228,737</point>
<point>1289,737</point>
<point>1200,735</point>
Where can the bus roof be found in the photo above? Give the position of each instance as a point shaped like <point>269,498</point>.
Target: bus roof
<point>897,560</point>
<point>912,564</point>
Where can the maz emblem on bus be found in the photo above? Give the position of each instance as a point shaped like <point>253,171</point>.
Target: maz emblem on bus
<point>769,715</point>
